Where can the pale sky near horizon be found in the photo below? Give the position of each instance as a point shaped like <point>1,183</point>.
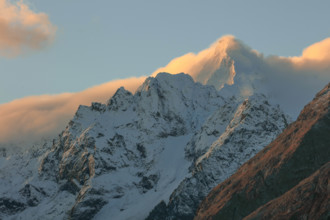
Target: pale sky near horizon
<point>98,41</point>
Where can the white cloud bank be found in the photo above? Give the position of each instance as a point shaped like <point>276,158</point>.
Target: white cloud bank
<point>227,64</point>
<point>22,29</point>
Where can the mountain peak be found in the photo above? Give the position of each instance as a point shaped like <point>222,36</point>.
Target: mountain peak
<point>120,100</point>
<point>163,79</point>
<point>226,44</point>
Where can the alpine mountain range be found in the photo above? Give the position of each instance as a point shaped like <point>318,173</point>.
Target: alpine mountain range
<point>218,145</point>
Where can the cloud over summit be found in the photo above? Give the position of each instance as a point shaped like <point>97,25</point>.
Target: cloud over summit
<point>228,64</point>
<point>22,29</point>
<point>232,66</point>
<point>207,63</point>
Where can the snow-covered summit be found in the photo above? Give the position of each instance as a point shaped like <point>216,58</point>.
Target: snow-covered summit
<point>122,158</point>
<point>239,70</point>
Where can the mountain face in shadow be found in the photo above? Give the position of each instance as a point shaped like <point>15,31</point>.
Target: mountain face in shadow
<point>283,170</point>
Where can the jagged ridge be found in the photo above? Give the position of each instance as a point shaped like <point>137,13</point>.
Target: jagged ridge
<point>298,152</point>
<point>124,157</point>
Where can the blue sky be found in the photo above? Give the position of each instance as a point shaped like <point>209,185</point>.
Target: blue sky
<point>98,41</point>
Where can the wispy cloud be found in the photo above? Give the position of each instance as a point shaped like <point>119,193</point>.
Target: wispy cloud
<point>29,119</point>
<point>22,29</point>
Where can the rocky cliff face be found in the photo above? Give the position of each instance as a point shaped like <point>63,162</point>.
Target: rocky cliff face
<point>295,155</point>
<point>167,144</point>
